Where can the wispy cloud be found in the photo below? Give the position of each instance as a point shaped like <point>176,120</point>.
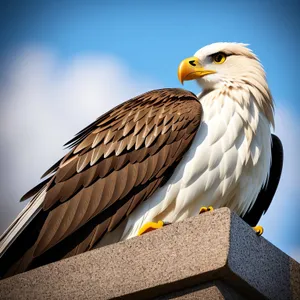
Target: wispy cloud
<point>43,103</point>
<point>281,222</point>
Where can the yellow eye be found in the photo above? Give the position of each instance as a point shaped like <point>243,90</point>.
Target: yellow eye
<point>219,58</point>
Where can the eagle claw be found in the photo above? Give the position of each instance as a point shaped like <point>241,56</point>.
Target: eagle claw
<point>205,209</point>
<point>150,226</point>
<point>259,230</point>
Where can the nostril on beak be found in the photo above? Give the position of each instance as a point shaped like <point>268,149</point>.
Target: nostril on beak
<point>192,63</point>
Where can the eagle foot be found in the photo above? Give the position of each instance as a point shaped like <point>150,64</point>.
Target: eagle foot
<point>205,209</point>
<point>259,230</point>
<point>150,226</point>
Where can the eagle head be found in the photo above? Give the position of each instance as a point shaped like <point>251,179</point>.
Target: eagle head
<point>231,68</point>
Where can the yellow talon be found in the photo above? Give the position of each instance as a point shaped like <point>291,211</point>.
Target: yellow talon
<point>150,226</point>
<point>205,209</point>
<point>258,229</point>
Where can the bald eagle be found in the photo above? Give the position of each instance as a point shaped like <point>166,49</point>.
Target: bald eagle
<point>157,159</point>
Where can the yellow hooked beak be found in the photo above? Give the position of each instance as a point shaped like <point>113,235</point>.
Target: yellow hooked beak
<point>190,68</point>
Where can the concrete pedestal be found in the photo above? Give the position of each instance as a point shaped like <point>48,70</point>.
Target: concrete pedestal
<point>212,256</point>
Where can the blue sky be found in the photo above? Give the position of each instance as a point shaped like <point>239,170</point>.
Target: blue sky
<point>146,40</point>
<point>152,36</point>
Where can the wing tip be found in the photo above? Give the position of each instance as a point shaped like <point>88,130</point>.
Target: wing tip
<point>35,190</point>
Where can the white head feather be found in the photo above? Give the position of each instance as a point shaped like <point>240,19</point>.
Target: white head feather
<point>240,70</point>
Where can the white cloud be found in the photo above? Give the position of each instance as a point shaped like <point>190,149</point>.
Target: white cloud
<point>288,128</point>
<point>281,222</point>
<point>43,103</point>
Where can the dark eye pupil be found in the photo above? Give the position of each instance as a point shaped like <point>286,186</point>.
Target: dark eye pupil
<point>218,57</point>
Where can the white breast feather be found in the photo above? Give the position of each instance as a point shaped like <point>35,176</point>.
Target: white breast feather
<point>227,164</point>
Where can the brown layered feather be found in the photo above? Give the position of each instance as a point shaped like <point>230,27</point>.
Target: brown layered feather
<point>114,164</point>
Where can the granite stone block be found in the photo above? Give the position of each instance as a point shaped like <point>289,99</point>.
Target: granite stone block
<point>215,253</point>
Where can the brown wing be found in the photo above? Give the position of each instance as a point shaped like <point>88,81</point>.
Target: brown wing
<point>115,163</point>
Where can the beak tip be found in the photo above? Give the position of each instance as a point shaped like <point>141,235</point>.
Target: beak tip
<point>181,80</point>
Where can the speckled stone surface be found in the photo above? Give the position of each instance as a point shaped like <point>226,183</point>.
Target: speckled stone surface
<point>259,263</point>
<point>216,245</point>
<point>208,291</point>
